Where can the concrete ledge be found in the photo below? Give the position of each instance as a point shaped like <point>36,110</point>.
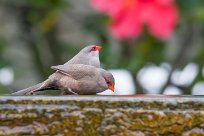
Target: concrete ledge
<point>102,115</point>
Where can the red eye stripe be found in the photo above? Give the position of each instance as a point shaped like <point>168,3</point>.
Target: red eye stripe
<point>95,48</point>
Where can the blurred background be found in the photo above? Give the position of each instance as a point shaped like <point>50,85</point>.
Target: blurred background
<point>150,46</point>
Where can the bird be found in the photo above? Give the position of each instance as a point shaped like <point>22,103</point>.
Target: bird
<point>88,56</point>
<point>77,79</point>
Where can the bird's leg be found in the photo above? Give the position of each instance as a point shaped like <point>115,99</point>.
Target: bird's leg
<point>68,91</point>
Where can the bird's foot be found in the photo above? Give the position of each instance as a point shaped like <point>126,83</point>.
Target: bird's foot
<point>69,91</point>
<point>30,93</point>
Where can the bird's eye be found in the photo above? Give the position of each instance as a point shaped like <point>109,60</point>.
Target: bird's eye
<point>93,49</point>
<point>108,82</point>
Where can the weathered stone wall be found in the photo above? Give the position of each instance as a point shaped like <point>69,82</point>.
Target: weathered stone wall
<point>102,115</point>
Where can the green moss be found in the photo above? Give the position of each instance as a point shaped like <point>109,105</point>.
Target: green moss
<point>87,116</point>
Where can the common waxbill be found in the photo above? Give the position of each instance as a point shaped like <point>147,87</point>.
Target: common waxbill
<point>76,79</point>
<point>88,56</point>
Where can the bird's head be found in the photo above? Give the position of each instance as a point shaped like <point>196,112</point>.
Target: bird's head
<point>92,50</point>
<point>109,79</point>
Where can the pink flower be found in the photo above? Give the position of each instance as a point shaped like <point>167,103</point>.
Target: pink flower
<point>129,16</point>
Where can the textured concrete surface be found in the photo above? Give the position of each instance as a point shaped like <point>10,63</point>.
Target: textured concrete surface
<point>102,115</point>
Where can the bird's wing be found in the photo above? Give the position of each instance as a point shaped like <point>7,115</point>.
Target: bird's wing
<point>77,71</point>
<point>72,86</point>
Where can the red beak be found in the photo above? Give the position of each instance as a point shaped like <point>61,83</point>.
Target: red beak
<point>98,48</point>
<point>111,87</point>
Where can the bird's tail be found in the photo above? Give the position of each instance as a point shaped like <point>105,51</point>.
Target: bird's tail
<point>32,89</point>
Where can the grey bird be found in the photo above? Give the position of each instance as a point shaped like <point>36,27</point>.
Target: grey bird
<point>76,79</point>
<point>88,56</point>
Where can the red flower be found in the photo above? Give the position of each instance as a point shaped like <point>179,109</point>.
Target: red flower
<point>129,16</point>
